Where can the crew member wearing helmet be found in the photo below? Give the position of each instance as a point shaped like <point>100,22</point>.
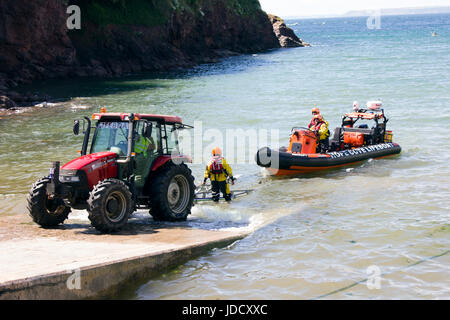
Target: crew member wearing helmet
<point>218,171</point>
<point>320,128</point>
<point>314,111</point>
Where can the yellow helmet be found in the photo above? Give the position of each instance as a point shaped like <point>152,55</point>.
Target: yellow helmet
<point>217,151</point>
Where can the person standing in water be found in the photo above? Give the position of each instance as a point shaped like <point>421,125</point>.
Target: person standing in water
<point>218,171</point>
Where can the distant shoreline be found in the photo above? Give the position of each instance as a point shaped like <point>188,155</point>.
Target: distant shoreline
<point>384,12</point>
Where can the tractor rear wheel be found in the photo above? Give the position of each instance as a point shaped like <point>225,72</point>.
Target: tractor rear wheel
<point>172,193</point>
<point>109,205</point>
<point>45,211</point>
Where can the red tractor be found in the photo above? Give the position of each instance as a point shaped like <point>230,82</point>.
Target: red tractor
<point>133,163</point>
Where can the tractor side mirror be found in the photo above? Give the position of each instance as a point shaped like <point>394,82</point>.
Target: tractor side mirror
<point>76,127</point>
<point>147,130</point>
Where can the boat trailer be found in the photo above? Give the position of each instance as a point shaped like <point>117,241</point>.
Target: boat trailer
<point>203,193</point>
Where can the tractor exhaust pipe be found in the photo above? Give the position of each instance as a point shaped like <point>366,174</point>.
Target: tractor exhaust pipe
<point>87,133</point>
<point>130,139</point>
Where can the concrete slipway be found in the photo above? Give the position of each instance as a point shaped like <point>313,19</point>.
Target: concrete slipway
<point>74,261</point>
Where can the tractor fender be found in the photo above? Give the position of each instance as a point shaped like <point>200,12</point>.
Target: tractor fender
<point>162,160</point>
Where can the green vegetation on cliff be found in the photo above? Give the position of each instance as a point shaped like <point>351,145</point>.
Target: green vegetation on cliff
<point>244,7</point>
<point>153,12</point>
<point>130,12</point>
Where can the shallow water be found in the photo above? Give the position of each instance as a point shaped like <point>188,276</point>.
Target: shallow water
<point>313,234</point>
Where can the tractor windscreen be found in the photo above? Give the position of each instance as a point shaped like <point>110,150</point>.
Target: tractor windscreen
<point>111,136</point>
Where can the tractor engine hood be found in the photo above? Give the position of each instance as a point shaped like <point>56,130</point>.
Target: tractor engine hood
<point>84,161</point>
<point>93,167</point>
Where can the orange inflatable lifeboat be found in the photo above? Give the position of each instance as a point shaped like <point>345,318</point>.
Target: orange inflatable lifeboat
<point>350,144</point>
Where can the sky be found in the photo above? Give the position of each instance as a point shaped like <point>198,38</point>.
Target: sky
<point>289,8</point>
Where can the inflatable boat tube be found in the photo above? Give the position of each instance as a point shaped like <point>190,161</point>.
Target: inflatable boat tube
<point>285,163</point>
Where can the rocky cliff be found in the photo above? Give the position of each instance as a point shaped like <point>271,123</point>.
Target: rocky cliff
<point>123,36</point>
<point>286,36</point>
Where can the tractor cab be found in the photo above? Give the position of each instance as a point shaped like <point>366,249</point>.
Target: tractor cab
<point>116,132</point>
<point>147,141</point>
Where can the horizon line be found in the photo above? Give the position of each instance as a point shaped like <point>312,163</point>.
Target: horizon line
<point>366,12</point>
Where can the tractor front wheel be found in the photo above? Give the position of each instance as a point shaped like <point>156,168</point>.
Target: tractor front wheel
<point>109,205</point>
<point>172,193</point>
<point>46,211</point>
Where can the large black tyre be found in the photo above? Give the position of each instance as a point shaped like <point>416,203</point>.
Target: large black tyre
<point>109,205</point>
<point>44,211</point>
<point>172,193</point>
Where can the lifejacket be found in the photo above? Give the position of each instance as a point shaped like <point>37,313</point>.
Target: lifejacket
<point>218,169</point>
<point>324,133</point>
<point>141,145</point>
<point>216,165</point>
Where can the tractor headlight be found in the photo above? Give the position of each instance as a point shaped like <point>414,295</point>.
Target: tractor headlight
<point>69,179</point>
<point>69,176</point>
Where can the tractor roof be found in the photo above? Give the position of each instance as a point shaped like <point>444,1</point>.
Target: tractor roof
<point>138,116</point>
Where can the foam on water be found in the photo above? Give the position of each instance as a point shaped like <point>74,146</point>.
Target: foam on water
<point>208,217</point>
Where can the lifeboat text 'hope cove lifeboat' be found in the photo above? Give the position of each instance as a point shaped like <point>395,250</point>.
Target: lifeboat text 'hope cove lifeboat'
<point>349,144</point>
